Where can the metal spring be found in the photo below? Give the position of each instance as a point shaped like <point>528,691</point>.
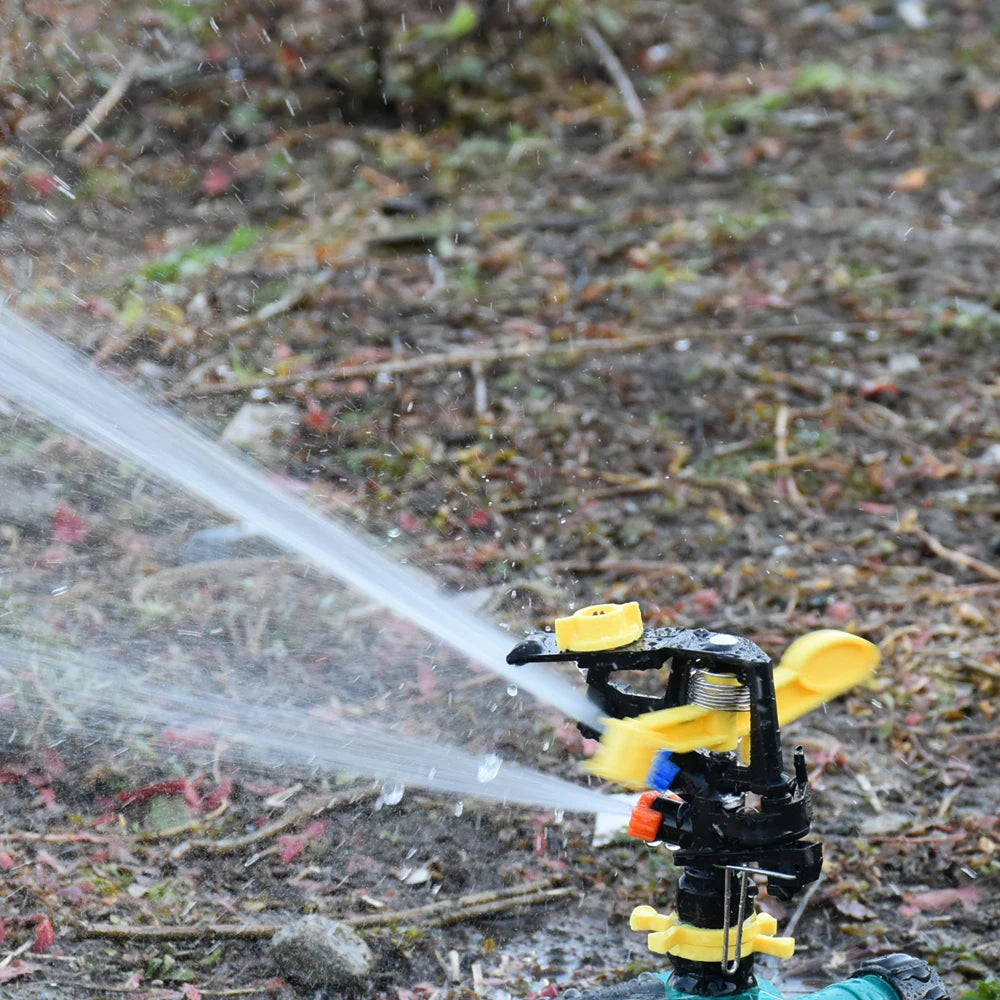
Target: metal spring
<point>710,690</point>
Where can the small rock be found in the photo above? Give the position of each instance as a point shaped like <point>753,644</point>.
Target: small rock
<point>257,425</point>
<point>316,952</point>
<point>904,364</point>
<point>227,541</point>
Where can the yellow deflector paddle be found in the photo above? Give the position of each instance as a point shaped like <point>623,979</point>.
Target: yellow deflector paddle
<point>815,669</point>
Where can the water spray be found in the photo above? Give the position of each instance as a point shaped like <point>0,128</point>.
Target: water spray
<point>115,703</point>
<point>48,378</point>
<point>707,753</point>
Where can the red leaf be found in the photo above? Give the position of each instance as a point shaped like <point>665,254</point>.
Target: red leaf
<point>216,181</point>
<point>134,981</point>
<point>316,829</point>
<point>409,522</point>
<point>45,936</point>
<point>6,861</point>
<point>220,795</point>
<point>68,527</point>
<point>316,418</point>
<point>705,602</point>
<point>882,509</point>
<point>292,845</point>
<point>217,52</point>
<point>840,612</point>
<point>41,183</point>
<point>16,969</point>
<point>179,786</point>
<point>550,991</point>
<point>426,679</point>
<point>191,993</point>
<point>479,519</point>
<point>940,899</point>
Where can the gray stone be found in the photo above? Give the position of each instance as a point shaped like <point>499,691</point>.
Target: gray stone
<point>227,541</point>
<point>315,952</point>
<point>260,427</point>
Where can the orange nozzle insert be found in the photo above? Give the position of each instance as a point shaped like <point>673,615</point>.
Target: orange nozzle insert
<point>645,821</point>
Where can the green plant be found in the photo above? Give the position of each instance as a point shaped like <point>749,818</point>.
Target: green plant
<point>190,261</point>
<point>988,989</point>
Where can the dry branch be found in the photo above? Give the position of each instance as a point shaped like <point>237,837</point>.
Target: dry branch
<point>440,914</point>
<point>617,73</point>
<point>650,484</point>
<point>104,107</point>
<point>911,526</point>
<point>429,362</point>
<point>229,845</point>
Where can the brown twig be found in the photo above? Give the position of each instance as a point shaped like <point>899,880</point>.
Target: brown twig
<point>440,914</point>
<point>793,920</point>
<point>429,362</point>
<point>615,567</point>
<point>616,71</point>
<point>786,483</point>
<point>912,526</point>
<point>56,838</point>
<point>650,484</point>
<point>192,826</point>
<point>104,106</point>
<point>295,298</point>
<point>230,845</point>
<point>201,570</point>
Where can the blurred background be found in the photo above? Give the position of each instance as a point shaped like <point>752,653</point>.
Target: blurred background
<point>693,304</point>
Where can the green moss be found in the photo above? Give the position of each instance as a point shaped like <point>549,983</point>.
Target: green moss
<point>988,989</point>
<point>190,261</point>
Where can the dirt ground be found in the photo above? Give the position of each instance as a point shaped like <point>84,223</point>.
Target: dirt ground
<point>718,337</point>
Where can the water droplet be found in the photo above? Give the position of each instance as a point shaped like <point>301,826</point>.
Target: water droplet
<point>391,796</point>
<point>723,640</point>
<point>559,815</point>
<point>547,745</point>
<point>489,768</point>
<point>682,345</point>
<point>459,808</point>
<point>512,690</point>
<point>838,336</point>
<point>393,532</point>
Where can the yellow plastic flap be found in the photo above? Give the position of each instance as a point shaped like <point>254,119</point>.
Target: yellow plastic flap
<point>815,669</point>
<point>701,944</point>
<point>600,626</point>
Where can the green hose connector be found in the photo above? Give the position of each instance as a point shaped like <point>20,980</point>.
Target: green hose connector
<point>861,988</point>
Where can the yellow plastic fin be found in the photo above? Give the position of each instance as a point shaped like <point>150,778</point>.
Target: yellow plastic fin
<point>599,627</point>
<point>699,944</point>
<point>819,666</point>
<point>815,669</point>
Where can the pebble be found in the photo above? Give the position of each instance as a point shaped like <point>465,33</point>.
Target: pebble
<point>316,952</point>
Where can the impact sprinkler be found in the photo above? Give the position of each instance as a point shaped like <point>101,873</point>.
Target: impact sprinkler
<point>707,754</point>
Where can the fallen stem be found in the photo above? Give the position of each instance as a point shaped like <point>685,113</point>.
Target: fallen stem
<point>426,362</point>
<point>617,73</point>
<point>953,556</point>
<point>229,845</point>
<point>104,106</point>
<point>439,914</point>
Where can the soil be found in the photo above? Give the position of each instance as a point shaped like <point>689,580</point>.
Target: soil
<point>735,360</point>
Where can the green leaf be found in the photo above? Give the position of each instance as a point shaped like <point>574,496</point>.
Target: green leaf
<point>463,20</point>
<point>183,263</point>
